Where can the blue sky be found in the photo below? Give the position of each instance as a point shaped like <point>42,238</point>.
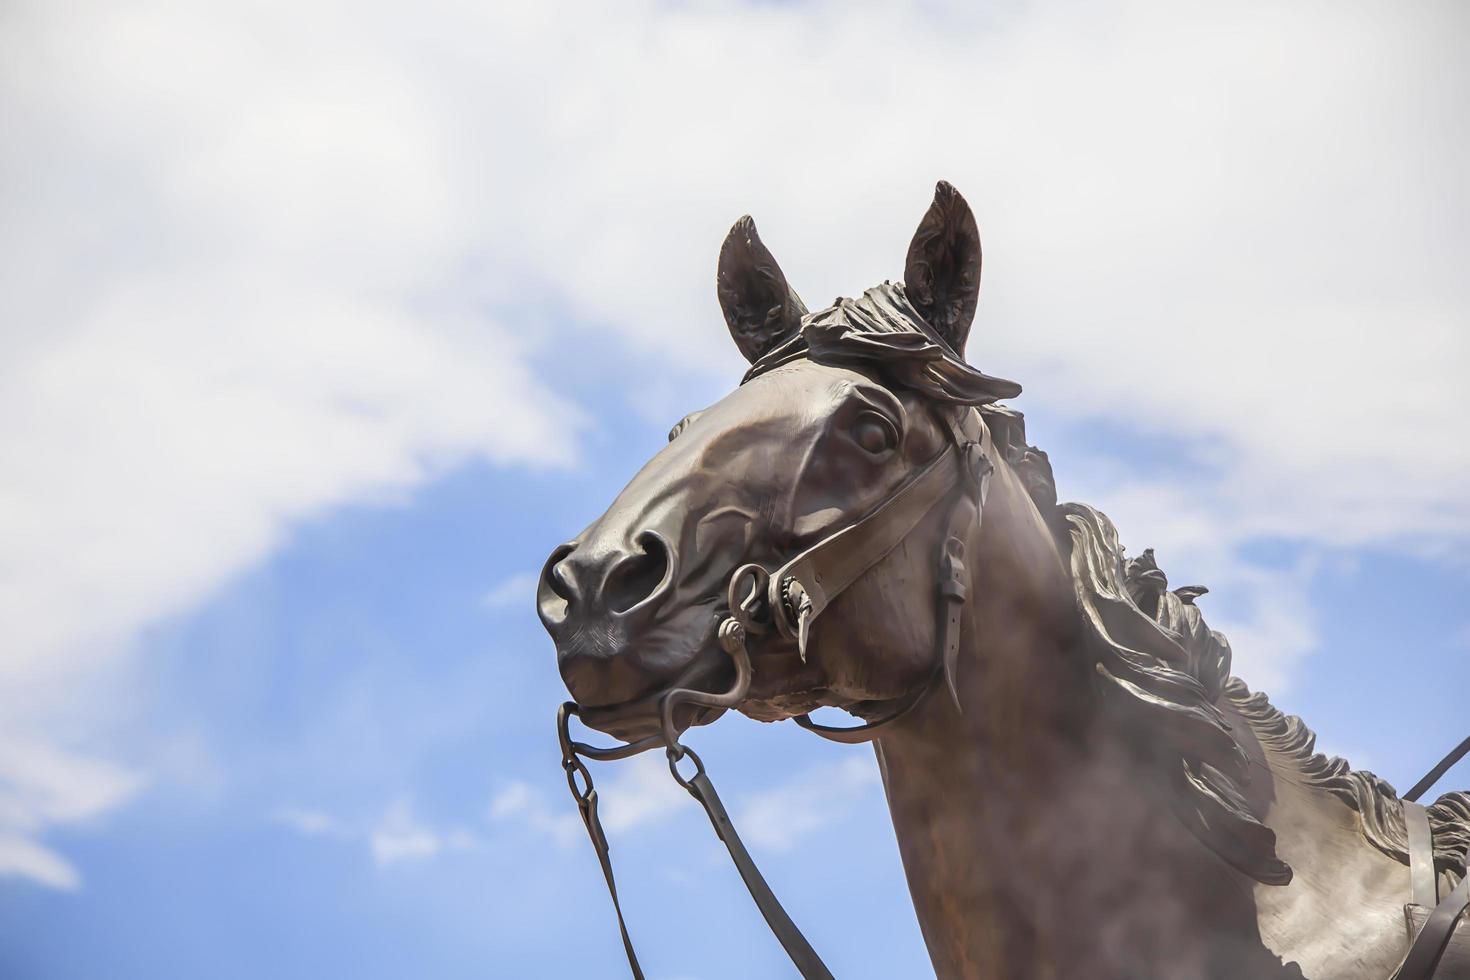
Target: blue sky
<point>327,322</point>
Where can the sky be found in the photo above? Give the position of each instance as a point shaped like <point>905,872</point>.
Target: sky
<point>324,322</point>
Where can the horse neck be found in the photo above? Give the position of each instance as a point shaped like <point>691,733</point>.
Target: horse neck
<point>1029,846</point>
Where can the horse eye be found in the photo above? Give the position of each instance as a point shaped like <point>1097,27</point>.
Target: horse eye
<point>874,433</point>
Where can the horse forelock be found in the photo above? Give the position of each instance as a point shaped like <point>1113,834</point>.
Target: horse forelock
<point>881,328</point>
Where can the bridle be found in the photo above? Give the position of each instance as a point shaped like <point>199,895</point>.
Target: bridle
<point>789,601</point>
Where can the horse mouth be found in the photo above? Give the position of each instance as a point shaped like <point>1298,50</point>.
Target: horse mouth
<point>639,717</point>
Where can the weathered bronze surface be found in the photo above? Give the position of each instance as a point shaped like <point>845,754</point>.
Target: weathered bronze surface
<point>1093,795</point>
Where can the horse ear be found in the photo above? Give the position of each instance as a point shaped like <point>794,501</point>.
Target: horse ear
<point>761,310</point>
<point>942,274</point>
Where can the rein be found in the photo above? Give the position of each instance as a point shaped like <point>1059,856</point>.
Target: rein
<point>791,599</point>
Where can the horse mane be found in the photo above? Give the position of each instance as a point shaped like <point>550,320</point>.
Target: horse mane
<point>1378,805</point>
<point>1163,672</point>
<point>1161,689</point>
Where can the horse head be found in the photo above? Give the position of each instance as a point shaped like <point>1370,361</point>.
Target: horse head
<point>838,413</point>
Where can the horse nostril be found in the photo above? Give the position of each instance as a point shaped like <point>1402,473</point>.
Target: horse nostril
<point>638,577</point>
<point>555,591</point>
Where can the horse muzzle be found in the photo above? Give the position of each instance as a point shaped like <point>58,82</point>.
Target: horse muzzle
<point>624,633</point>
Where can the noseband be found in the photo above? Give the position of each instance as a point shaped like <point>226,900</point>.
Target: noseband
<point>789,601</point>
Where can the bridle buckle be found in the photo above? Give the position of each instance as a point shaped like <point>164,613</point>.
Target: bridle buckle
<point>976,465</point>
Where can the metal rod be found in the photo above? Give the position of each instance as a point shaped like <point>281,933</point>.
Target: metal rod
<point>1433,776</point>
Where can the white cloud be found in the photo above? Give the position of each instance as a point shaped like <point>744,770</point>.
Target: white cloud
<point>779,817</point>
<point>521,803</point>
<point>310,823</point>
<point>249,251</point>
<point>40,786</point>
<point>642,794</point>
<point>1228,225</point>
<point>637,794</point>
<point>460,839</point>
<point>516,590</point>
<point>19,855</point>
<point>225,314</point>
<point>399,837</point>
<point>515,799</point>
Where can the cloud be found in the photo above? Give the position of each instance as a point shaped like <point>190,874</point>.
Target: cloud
<point>41,786</point>
<point>219,323</point>
<point>779,817</point>
<point>519,802</point>
<point>310,823</point>
<point>399,837</point>
<point>638,795</point>
<point>1229,227</point>
<point>642,794</point>
<point>22,856</point>
<point>516,590</point>
<point>249,281</point>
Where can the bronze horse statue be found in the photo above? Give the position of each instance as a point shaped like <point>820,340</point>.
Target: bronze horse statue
<point>1078,786</point>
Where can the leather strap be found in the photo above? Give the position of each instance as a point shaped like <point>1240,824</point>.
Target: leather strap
<point>579,781</point>
<point>971,435</point>
<point>953,589</point>
<point>806,960</point>
<point>587,806</point>
<point>1422,887</point>
<point>825,570</point>
<point>1427,947</point>
<point>1430,944</point>
<point>857,734</point>
<point>802,588</point>
<point>970,441</point>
